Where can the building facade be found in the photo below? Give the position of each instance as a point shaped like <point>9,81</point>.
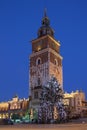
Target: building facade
<point>14,106</point>
<point>45,61</point>
<point>76,103</point>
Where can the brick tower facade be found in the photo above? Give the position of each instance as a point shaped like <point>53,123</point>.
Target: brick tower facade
<point>45,61</point>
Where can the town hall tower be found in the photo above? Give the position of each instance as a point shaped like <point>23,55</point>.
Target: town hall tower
<point>45,61</point>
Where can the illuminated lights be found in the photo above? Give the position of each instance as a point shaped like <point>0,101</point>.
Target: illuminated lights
<point>39,48</point>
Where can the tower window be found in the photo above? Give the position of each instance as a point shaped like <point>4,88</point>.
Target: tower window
<point>38,61</point>
<point>38,81</point>
<point>44,31</point>
<point>36,95</point>
<point>55,62</point>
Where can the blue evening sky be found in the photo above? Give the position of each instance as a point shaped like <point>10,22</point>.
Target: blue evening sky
<point>19,23</point>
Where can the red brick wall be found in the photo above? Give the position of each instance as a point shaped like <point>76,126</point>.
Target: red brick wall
<point>53,57</point>
<point>43,56</point>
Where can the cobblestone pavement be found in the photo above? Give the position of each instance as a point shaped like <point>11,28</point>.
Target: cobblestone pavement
<point>71,126</point>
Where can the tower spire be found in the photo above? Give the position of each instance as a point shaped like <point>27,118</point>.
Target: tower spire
<point>45,29</point>
<point>45,12</point>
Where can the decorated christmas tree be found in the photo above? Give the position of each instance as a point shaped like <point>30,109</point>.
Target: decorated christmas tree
<point>51,106</point>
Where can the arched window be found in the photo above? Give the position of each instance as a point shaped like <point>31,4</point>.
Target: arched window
<point>55,62</point>
<point>38,81</point>
<point>38,61</point>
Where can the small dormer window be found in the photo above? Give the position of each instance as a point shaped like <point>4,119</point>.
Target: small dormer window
<point>44,31</point>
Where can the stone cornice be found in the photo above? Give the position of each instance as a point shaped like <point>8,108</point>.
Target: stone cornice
<point>45,50</point>
<point>39,52</point>
<point>38,39</point>
<point>56,42</point>
<point>54,52</point>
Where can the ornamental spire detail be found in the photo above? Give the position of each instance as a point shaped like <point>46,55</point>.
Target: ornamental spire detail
<point>45,28</point>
